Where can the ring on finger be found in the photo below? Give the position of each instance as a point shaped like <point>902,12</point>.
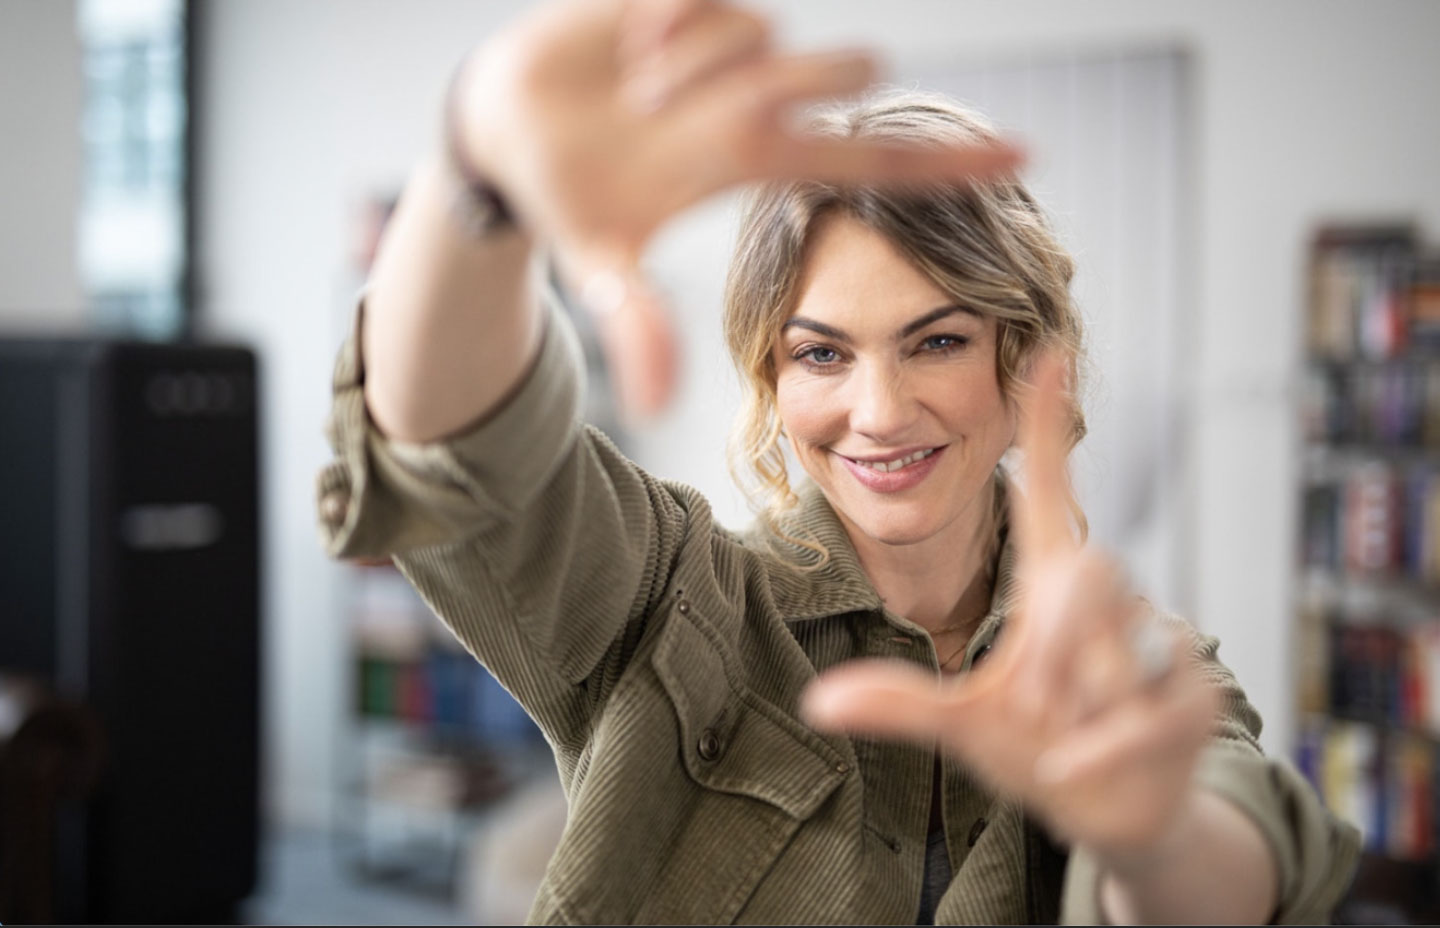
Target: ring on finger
<point>1152,647</point>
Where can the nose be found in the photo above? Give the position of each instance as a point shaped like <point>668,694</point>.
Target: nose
<point>881,405</point>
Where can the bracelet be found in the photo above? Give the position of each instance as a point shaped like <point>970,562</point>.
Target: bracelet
<point>479,209</point>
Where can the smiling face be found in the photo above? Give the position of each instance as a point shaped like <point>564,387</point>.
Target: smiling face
<point>889,392</point>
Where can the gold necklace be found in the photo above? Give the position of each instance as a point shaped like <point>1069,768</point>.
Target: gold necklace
<point>952,627</point>
<point>963,645</point>
<point>972,624</point>
<point>955,627</point>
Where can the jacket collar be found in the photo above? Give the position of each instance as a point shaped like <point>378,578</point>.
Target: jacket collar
<point>802,591</point>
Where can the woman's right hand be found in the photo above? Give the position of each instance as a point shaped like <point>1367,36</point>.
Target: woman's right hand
<point>599,119</point>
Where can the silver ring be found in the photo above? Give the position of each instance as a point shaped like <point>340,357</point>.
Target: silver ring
<point>605,292</point>
<point>1152,645</point>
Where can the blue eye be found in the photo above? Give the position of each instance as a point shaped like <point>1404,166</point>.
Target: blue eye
<point>818,355</point>
<point>944,342</point>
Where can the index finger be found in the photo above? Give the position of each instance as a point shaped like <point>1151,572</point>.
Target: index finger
<point>860,161</point>
<point>631,319</point>
<point>1043,511</point>
<point>881,697</point>
<point>766,90</point>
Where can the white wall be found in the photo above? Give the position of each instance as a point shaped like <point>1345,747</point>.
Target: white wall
<point>1305,111</point>
<point>40,95</point>
<point>308,108</point>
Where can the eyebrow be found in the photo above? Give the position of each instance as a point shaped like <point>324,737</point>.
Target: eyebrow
<point>910,328</point>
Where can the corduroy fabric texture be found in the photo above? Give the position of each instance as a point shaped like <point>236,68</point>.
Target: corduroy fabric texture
<point>664,657</point>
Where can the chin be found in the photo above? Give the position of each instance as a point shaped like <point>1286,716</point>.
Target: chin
<point>905,525</point>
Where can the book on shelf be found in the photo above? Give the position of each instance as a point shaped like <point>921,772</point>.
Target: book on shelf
<point>1395,405</point>
<point>1387,675</point>
<point>1360,292</point>
<point>445,691</point>
<point>409,668</point>
<point>1378,520</point>
<point>1425,298</point>
<point>1383,782</point>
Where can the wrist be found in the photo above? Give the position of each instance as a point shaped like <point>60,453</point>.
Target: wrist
<point>1139,862</point>
<point>480,207</point>
<point>1131,877</point>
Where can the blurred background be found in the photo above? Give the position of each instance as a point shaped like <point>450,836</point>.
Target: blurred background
<point>203,718</point>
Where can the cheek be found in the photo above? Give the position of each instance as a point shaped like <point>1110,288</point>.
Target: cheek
<point>976,407</point>
<point>808,412</point>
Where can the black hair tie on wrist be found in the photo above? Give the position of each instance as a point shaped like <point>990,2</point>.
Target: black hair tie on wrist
<point>480,209</point>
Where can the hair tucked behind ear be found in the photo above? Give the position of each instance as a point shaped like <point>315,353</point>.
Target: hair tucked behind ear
<point>988,245</point>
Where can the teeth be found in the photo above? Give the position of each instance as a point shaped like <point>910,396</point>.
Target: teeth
<point>886,467</point>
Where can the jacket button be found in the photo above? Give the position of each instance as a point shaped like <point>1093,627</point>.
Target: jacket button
<point>709,746</point>
<point>975,831</point>
<point>333,506</point>
<point>683,606</point>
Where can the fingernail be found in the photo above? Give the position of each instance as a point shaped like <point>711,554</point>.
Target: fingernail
<point>604,293</point>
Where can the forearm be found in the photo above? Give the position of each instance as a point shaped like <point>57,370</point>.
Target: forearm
<point>450,323</point>
<point>1214,868</point>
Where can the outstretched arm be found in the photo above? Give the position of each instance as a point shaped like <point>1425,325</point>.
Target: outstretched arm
<point>1213,867</point>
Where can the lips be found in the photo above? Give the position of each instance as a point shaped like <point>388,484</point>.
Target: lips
<point>895,473</point>
<point>896,463</point>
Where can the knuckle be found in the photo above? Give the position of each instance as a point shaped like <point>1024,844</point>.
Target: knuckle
<point>750,29</point>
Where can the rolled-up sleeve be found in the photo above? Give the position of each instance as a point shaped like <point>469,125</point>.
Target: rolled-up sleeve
<point>1315,853</point>
<point>380,497</point>
<point>530,535</point>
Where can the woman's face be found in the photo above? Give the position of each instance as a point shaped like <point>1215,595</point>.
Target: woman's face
<point>888,391</point>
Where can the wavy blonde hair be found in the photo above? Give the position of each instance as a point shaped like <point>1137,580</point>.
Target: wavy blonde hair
<point>989,246</point>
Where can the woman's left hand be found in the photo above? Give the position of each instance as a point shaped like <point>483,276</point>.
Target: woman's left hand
<point>1089,712</point>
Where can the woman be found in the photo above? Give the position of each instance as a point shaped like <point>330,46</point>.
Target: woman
<point>900,339</point>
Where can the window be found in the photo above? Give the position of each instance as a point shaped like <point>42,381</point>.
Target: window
<point>133,235</point>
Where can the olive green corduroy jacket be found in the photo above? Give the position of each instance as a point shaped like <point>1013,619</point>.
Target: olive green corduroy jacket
<point>664,656</point>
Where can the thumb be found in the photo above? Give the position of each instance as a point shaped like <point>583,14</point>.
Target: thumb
<point>879,697</point>
<point>633,323</point>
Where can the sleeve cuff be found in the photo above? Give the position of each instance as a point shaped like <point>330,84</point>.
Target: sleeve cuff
<point>379,496</point>
<point>1315,853</point>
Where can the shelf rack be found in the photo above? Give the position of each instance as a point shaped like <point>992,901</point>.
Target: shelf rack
<point>1368,588</point>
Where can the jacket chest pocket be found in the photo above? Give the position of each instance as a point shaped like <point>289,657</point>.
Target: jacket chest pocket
<point>757,774</point>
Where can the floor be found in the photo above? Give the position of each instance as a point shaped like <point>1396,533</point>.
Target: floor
<point>421,866</point>
<point>306,879</point>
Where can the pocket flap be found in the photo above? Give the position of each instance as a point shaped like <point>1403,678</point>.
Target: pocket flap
<point>733,741</point>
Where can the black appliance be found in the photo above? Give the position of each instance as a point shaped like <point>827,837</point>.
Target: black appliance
<point>129,587</point>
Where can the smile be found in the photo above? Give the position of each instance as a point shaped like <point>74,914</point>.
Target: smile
<point>886,467</point>
<point>894,474</point>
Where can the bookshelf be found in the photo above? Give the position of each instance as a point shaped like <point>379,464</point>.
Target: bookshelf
<point>1368,585</point>
<point>434,742</point>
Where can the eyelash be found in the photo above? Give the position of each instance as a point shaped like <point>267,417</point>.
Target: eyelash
<point>805,354</point>
<point>956,342</point>
<point>806,357</point>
